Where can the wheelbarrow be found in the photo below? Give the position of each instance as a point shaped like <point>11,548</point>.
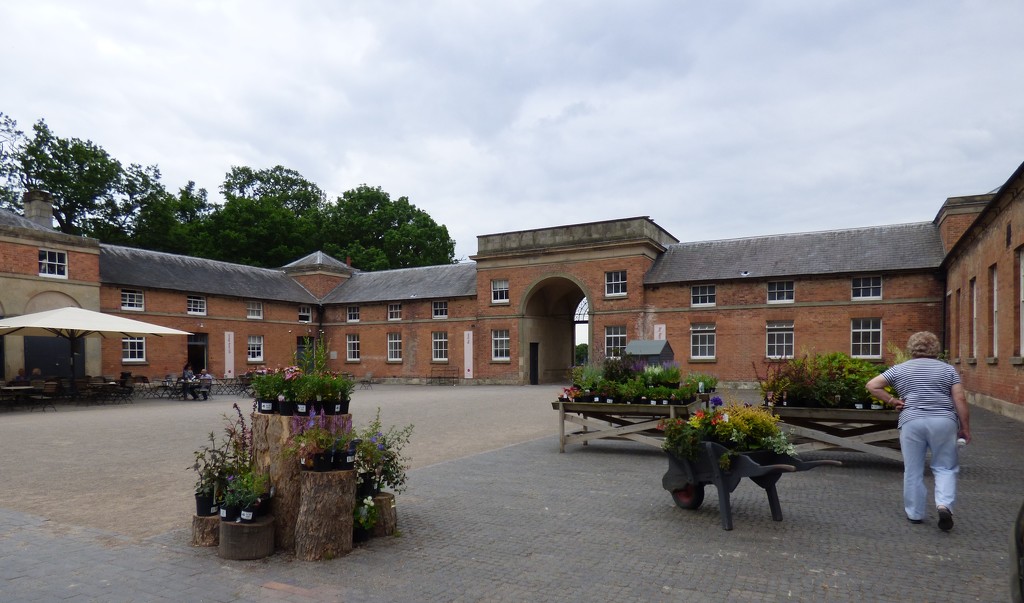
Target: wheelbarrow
<point>685,478</point>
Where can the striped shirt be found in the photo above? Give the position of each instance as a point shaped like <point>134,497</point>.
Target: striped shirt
<point>926,387</point>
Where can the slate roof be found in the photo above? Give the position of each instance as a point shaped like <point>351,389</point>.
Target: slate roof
<point>427,282</point>
<point>318,259</point>
<point>647,347</point>
<point>9,218</point>
<point>896,247</point>
<point>158,270</point>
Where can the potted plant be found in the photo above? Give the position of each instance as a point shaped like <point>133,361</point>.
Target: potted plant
<point>316,437</point>
<point>246,491</point>
<point>740,428</point>
<point>268,387</point>
<point>211,465</point>
<point>379,459</point>
<point>364,517</point>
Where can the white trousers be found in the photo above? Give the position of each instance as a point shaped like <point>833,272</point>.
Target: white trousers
<point>916,437</point>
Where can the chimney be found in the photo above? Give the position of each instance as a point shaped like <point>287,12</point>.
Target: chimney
<point>38,207</point>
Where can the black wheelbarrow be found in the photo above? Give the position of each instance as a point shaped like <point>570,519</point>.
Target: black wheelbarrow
<point>685,478</point>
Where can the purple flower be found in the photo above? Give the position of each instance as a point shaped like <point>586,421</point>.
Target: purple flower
<point>716,401</point>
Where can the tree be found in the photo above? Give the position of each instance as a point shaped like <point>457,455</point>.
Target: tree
<point>379,234</point>
<point>279,183</point>
<point>174,224</point>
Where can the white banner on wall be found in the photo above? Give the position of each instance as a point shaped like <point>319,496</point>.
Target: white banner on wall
<point>229,355</point>
<point>467,355</point>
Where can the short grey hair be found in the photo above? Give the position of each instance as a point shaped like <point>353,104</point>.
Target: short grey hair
<point>924,344</point>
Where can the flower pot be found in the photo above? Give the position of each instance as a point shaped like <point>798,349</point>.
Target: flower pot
<point>206,506</point>
<point>322,461</point>
<point>247,514</point>
<point>229,513</point>
<point>266,407</point>
<point>367,486</point>
<point>360,534</point>
<point>303,408</point>
<point>286,408</point>
<point>343,460</point>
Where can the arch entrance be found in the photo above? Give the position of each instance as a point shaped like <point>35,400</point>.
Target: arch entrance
<point>548,334</point>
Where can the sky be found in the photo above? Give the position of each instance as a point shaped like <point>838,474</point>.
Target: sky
<point>717,120</point>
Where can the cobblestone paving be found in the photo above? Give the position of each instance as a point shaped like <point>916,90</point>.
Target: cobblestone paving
<point>525,523</point>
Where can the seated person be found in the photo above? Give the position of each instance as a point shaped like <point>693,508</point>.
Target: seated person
<point>20,378</point>
<point>189,383</point>
<point>205,384</point>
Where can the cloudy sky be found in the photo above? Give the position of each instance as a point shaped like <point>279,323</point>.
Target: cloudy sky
<point>716,119</point>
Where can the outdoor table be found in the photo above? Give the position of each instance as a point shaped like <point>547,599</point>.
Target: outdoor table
<point>20,393</point>
<point>637,422</point>
<point>870,431</point>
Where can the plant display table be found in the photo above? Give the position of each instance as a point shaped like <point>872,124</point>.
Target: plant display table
<point>870,431</point>
<point>685,479</point>
<point>637,422</point>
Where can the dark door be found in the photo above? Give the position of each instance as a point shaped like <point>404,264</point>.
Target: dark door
<point>52,356</point>
<point>534,363</point>
<point>198,352</point>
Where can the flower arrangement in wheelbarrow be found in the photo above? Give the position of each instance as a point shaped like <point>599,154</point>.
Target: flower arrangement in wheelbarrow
<point>737,427</point>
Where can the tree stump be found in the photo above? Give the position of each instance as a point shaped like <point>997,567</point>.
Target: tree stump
<point>387,514</point>
<point>205,530</point>
<point>241,541</point>
<point>323,529</point>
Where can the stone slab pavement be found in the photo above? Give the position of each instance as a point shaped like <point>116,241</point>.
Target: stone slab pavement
<point>95,505</point>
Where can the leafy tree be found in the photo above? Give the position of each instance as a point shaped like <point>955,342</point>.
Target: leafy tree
<point>174,224</point>
<point>379,233</point>
<point>279,183</point>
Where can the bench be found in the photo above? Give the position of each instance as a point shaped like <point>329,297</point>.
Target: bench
<point>443,375</point>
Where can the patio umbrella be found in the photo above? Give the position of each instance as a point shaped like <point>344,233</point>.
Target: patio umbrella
<point>75,323</point>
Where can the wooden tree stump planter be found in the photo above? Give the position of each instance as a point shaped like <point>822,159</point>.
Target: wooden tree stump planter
<point>205,530</point>
<point>387,514</point>
<point>240,541</point>
<point>323,529</point>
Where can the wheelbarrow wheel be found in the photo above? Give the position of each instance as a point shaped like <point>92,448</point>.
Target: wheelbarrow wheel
<point>689,497</point>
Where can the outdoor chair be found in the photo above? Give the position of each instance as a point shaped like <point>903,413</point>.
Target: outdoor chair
<point>367,381</point>
<point>50,391</point>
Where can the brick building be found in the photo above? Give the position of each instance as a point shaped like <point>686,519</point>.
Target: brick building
<point>726,307</point>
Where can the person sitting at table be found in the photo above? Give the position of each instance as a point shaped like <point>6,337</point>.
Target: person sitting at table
<point>189,383</point>
<point>205,384</point>
<point>20,378</point>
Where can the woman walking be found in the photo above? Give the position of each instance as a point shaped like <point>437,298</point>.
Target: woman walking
<point>933,413</point>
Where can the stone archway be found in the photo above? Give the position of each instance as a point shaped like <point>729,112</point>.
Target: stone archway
<point>547,336</point>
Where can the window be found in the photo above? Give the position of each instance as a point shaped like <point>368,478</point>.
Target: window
<point>132,300</point>
<point>500,345</point>
<point>196,304</point>
<point>867,287</point>
<point>394,311</point>
<point>499,291</point>
<point>254,310</point>
<point>439,345</point>
<point>993,325</point>
<point>305,313</point>
<point>702,295</point>
<point>352,347</point>
<point>133,349</point>
<point>353,314</point>
<point>780,292</point>
<point>440,309</point>
<point>702,342</point>
<point>780,339</point>
<point>53,263</point>
<point>1020,302</point>
<point>394,347</point>
<point>614,341</point>
<point>973,334</point>
<point>254,348</point>
<point>615,283</point>
<point>866,337</point>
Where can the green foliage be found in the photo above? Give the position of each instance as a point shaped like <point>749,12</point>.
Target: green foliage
<point>819,380</point>
<point>245,488</point>
<point>739,427</point>
<point>586,376</point>
<point>379,453</point>
<point>619,370</point>
<point>366,514</point>
<point>231,455</point>
<point>317,433</point>
<point>693,380</point>
<point>379,233</point>
<point>581,354</point>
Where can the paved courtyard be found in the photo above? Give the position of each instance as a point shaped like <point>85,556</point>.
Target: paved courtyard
<point>95,505</point>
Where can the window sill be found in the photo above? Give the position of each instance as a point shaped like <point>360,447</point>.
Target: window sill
<point>501,361</point>
<point>991,360</point>
<point>1016,361</point>
<point>972,361</point>
<point>703,360</point>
